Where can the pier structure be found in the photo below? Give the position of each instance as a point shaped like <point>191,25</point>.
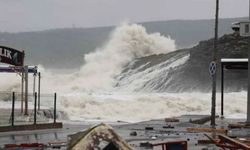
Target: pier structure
<point>15,59</point>
<point>23,71</point>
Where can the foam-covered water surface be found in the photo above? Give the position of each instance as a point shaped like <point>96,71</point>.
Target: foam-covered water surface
<point>100,90</point>
<point>134,107</point>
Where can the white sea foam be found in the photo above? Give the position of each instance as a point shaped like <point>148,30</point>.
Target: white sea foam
<point>88,94</point>
<point>126,43</point>
<point>138,107</point>
<point>133,107</point>
<point>135,80</point>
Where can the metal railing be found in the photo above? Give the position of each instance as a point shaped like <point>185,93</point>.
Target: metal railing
<point>41,109</point>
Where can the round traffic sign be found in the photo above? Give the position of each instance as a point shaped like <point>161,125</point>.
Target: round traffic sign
<point>212,68</point>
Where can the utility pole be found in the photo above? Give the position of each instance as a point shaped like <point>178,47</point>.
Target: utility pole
<point>213,108</point>
<point>248,92</point>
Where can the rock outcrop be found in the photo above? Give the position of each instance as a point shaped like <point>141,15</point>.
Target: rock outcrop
<point>191,75</point>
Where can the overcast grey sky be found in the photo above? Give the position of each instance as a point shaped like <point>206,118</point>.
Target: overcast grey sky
<point>26,15</point>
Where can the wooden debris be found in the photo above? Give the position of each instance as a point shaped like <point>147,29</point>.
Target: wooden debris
<point>200,130</point>
<point>238,125</point>
<point>205,142</point>
<point>226,141</point>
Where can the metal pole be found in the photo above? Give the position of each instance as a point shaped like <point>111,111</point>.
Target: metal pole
<point>22,99</point>
<point>35,108</point>
<point>13,109</point>
<point>213,108</point>
<point>34,84</point>
<point>55,108</point>
<point>248,92</point>
<point>26,90</point>
<point>222,90</point>
<point>23,70</point>
<point>39,90</point>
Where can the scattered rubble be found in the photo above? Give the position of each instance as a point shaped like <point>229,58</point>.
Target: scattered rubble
<point>152,135</point>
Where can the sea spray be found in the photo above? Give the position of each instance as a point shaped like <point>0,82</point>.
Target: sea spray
<point>126,43</point>
<point>145,106</point>
<point>89,93</point>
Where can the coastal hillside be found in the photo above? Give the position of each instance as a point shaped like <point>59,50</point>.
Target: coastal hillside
<point>185,70</point>
<point>65,48</point>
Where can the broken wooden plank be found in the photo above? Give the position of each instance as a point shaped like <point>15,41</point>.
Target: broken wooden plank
<point>238,144</point>
<point>202,141</point>
<point>238,125</point>
<point>200,130</point>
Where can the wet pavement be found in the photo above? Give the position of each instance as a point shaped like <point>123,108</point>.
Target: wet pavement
<point>136,134</point>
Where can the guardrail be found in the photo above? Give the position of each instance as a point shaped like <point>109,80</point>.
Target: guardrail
<point>42,108</point>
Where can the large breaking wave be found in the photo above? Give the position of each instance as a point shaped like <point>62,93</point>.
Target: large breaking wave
<point>92,92</point>
<point>126,43</point>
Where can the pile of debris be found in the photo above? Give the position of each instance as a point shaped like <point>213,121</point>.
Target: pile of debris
<point>185,132</point>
